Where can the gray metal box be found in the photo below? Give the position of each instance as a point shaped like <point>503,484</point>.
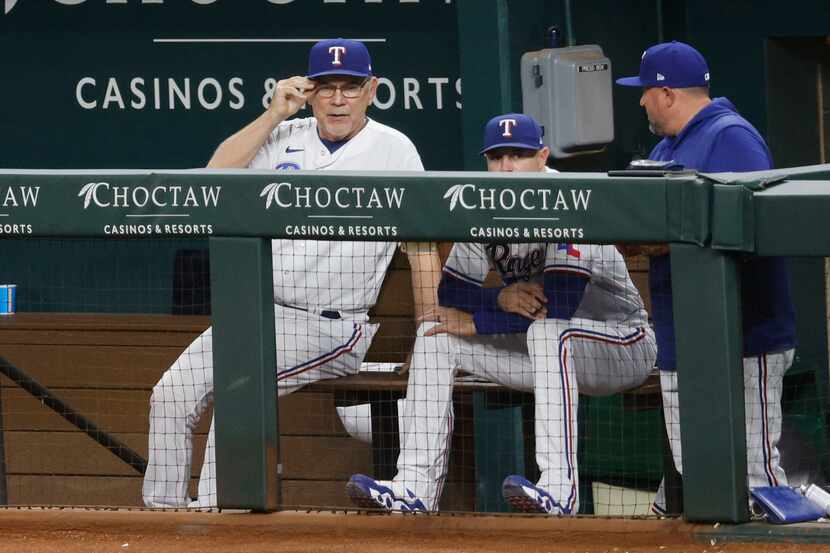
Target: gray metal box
<point>568,91</point>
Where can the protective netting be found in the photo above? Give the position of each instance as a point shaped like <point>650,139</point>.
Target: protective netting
<point>97,323</point>
<point>527,377</point>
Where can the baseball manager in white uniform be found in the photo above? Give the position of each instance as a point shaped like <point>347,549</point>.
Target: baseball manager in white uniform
<point>568,320</point>
<point>322,289</point>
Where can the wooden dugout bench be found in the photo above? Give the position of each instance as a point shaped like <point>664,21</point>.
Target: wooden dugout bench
<point>105,365</point>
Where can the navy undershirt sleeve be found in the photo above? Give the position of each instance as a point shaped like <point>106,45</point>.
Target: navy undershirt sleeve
<point>457,293</point>
<point>497,321</point>
<point>563,290</point>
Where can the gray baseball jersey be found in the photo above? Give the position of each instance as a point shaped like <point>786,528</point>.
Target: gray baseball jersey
<point>609,296</point>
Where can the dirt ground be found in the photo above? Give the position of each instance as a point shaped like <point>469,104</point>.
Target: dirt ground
<point>135,531</point>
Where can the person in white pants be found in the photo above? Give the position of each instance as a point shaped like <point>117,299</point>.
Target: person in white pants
<point>568,320</point>
<point>323,290</point>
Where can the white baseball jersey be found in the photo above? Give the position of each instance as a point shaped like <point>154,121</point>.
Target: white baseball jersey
<point>336,275</point>
<point>313,275</point>
<point>609,296</point>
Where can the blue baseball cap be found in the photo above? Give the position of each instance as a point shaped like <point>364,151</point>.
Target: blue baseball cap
<point>670,64</point>
<point>339,56</point>
<point>512,130</point>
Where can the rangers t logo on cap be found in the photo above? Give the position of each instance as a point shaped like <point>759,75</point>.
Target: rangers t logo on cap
<point>339,56</point>
<point>337,50</point>
<point>512,130</point>
<point>507,125</point>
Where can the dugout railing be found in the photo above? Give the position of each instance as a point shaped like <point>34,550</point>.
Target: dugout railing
<point>708,219</point>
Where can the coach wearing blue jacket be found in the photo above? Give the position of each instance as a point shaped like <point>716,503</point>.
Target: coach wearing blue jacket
<point>709,135</point>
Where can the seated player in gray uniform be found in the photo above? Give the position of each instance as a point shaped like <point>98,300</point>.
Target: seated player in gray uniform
<point>323,290</point>
<point>568,320</point>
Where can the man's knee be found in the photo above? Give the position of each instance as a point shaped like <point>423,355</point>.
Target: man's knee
<point>171,399</point>
<point>444,345</point>
<point>437,342</point>
<point>431,344</point>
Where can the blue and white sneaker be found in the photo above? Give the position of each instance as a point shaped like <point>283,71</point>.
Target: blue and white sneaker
<point>371,494</point>
<point>524,496</point>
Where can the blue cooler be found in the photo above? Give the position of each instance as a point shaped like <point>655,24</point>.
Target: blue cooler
<point>8,299</point>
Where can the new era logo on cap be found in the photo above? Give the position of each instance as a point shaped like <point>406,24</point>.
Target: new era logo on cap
<point>671,64</point>
<point>512,130</point>
<point>339,56</point>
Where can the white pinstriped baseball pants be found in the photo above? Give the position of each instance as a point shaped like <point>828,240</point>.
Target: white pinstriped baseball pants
<point>763,387</point>
<point>309,348</point>
<point>556,360</point>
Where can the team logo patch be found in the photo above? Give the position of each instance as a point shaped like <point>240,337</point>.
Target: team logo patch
<point>288,165</point>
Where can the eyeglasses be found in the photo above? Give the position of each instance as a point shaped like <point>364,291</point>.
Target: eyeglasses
<point>350,90</point>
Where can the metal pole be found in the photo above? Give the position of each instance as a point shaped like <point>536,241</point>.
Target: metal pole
<point>49,399</point>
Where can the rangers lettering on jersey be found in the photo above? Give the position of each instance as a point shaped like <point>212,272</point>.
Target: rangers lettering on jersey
<point>518,266</point>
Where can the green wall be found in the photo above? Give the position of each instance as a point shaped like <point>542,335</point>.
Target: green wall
<point>763,55</point>
<point>52,47</point>
<point>733,37</point>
